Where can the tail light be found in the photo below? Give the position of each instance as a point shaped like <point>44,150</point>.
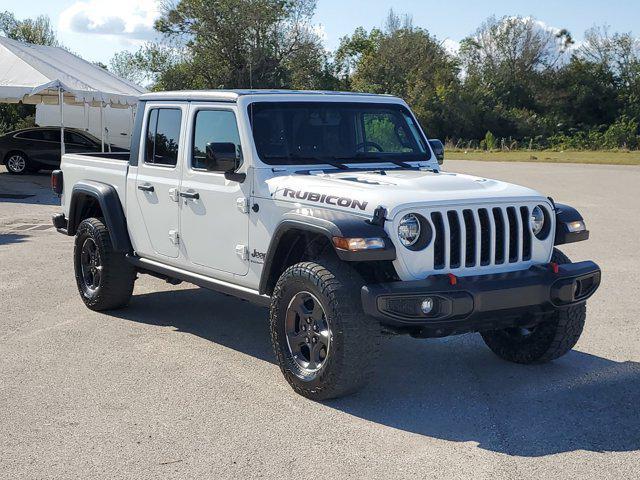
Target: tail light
<point>56,182</point>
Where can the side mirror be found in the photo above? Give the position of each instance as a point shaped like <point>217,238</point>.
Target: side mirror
<point>438,150</point>
<point>223,157</point>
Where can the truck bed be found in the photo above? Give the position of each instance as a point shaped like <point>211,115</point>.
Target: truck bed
<point>109,168</point>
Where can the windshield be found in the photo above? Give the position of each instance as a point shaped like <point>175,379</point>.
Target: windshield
<point>298,133</point>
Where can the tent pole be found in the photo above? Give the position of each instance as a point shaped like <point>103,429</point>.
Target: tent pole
<point>61,101</point>
<point>102,124</point>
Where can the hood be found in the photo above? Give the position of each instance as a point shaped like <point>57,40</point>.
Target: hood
<point>361,192</point>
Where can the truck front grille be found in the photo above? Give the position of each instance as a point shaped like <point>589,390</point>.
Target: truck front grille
<point>474,237</point>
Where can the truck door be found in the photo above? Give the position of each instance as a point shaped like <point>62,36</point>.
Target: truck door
<point>214,220</point>
<point>159,177</point>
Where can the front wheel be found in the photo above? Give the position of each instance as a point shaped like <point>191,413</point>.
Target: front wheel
<point>105,279</point>
<point>546,341</point>
<point>325,346</point>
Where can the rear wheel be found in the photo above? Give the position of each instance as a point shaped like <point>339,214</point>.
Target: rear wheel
<point>546,341</point>
<point>17,163</point>
<point>325,346</point>
<point>105,279</point>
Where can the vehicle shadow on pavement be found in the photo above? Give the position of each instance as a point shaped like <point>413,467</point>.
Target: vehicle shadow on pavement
<point>32,189</point>
<point>456,389</point>
<point>224,320</point>
<point>9,238</point>
<point>453,389</point>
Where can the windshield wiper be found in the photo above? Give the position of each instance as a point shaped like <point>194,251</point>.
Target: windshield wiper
<point>333,161</point>
<point>373,156</point>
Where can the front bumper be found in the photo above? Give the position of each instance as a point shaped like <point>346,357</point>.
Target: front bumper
<point>481,302</point>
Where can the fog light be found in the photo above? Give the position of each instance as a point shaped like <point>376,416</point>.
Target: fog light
<point>427,305</point>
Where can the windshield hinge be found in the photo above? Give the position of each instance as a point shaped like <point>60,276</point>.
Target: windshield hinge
<point>379,216</point>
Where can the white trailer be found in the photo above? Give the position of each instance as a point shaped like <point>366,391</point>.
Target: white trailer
<point>118,122</point>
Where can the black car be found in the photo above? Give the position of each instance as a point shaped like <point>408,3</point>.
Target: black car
<point>32,149</point>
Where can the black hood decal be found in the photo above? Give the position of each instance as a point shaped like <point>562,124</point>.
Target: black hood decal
<point>345,202</point>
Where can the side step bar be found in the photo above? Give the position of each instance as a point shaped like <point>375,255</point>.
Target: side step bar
<point>245,293</point>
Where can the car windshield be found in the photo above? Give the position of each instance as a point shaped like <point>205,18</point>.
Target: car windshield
<point>299,133</point>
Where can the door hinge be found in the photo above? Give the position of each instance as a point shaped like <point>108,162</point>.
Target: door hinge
<point>174,237</point>
<point>243,204</point>
<point>173,194</point>
<point>242,251</point>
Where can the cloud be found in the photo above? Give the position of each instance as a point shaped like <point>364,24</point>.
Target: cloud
<point>451,46</point>
<point>320,31</point>
<point>130,20</point>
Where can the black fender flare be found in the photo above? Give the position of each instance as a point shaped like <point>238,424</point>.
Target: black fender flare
<point>328,224</point>
<point>564,216</point>
<point>112,212</point>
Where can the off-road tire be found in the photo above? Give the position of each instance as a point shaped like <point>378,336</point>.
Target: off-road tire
<point>551,339</point>
<point>353,350</point>
<point>117,277</point>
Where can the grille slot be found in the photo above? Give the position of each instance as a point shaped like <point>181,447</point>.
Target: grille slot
<point>513,235</point>
<point>454,236</point>
<point>485,237</point>
<point>498,220</point>
<point>526,234</point>
<point>470,237</point>
<point>478,237</point>
<point>438,242</point>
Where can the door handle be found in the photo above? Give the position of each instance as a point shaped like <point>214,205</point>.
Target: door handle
<point>146,188</point>
<point>192,195</point>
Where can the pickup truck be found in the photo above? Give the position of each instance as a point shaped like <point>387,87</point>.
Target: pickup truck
<point>331,209</point>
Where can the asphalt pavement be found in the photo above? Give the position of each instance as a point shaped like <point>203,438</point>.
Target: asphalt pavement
<point>182,383</point>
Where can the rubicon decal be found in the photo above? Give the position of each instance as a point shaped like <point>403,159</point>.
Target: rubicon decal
<point>324,198</point>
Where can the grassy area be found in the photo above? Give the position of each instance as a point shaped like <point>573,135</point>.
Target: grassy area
<point>593,157</point>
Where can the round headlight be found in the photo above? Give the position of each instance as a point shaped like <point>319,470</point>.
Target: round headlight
<point>537,220</point>
<point>409,230</point>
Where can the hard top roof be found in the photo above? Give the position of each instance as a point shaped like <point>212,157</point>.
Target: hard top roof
<point>233,95</point>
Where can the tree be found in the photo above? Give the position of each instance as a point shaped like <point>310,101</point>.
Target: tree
<point>514,76</point>
<point>154,64</point>
<point>582,95</point>
<point>619,54</point>
<point>406,61</point>
<point>508,54</point>
<point>37,30</point>
<point>234,44</point>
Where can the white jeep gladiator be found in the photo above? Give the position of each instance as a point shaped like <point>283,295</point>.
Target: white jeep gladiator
<point>331,209</point>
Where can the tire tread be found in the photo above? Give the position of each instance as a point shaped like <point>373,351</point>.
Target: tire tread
<point>358,334</point>
<point>118,275</point>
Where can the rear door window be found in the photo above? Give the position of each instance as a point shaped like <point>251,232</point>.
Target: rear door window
<point>163,136</point>
<point>51,135</point>
<point>31,135</point>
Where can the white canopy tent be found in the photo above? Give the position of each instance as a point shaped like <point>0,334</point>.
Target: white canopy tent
<point>36,74</point>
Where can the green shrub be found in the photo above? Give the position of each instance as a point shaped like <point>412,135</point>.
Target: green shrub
<point>490,141</point>
<point>623,133</point>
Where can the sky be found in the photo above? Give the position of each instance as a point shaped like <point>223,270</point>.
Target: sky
<point>96,29</point>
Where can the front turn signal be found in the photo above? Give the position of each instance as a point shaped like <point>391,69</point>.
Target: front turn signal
<point>357,244</point>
